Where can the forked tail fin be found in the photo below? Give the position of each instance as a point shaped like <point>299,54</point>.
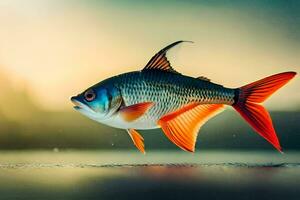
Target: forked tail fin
<point>247,104</point>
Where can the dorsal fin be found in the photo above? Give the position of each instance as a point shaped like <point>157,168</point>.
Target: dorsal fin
<point>203,78</point>
<point>160,62</point>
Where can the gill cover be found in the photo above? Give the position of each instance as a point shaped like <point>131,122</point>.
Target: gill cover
<point>101,101</point>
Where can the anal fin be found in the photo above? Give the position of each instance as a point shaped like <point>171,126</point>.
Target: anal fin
<point>137,139</point>
<point>182,126</point>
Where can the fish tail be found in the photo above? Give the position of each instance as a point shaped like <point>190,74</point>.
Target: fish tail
<point>248,99</point>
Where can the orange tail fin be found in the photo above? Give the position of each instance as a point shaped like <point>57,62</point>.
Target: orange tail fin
<point>247,104</point>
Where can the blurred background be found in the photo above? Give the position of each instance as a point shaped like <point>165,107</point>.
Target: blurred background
<point>51,50</point>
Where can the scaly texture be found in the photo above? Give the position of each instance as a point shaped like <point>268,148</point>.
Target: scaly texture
<point>169,92</point>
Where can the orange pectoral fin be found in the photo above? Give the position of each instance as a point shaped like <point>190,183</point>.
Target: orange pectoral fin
<point>137,139</point>
<point>133,112</point>
<point>182,126</point>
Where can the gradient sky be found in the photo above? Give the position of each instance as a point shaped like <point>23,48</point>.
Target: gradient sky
<point>59,48</point>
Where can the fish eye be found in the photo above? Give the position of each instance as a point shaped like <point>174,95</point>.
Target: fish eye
<point>89,95</point>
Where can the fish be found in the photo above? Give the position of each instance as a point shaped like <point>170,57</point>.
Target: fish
<point>158,96</point>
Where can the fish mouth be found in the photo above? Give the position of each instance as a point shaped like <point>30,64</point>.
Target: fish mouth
<point>77,104</point>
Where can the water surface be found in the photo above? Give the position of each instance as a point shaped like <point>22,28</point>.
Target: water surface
<point>156,175</point>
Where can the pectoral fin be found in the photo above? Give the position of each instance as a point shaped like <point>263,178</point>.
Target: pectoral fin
<point>137,139</point>
<point>133,112</point>
<point>182,126</point>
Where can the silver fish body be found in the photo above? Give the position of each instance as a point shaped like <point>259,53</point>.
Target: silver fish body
<point>168,91</point>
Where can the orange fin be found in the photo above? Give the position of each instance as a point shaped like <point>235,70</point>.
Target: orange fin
<point>160,62</point>
<point>260,90</point>
<point>133,112</point>
<point>182,126</point>
<point>259,119</point>
<point>137,139</point>
<point>247,104</point>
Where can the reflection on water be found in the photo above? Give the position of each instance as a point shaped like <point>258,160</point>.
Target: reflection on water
<point>158,175</point>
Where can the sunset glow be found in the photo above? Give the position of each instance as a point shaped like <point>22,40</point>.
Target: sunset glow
<point>58,49</point>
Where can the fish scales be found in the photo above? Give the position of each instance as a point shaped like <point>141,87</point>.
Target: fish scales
<point>169,91</point>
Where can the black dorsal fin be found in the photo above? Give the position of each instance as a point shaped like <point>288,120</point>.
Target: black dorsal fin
<point>160,62</point>
<point>203,78</point>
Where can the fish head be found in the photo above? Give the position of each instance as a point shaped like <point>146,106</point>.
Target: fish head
<point>98,102</point>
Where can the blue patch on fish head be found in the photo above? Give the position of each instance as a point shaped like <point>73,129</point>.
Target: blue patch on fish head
<point>98,103</point>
